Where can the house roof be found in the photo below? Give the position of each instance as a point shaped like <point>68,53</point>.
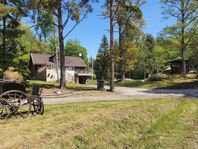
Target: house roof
<point>178,59</point>
<point>70,61</point>
<point>40,59</point>
<point>74,61</point>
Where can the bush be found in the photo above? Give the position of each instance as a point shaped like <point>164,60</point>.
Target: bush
<point>11,74</point>
<point>155,77</point>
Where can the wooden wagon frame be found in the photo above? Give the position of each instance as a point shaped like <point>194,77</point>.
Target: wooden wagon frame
<point>14,101</point>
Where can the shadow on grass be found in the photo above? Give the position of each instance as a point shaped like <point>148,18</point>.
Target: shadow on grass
<point>21,114</point>
<point>190,93</point>
<point>182,85</point>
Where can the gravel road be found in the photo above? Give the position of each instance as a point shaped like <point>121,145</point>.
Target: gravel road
<point>124,93</point>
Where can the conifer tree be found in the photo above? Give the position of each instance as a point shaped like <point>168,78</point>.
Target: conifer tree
<point>102,62</point>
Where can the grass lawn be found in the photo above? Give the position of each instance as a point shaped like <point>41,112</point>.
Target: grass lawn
<point>50,87</point>
<point>176,83</point>
<point>56,85</point>
<point>154,123</point>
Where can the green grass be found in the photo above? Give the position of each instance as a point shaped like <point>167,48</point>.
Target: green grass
<point>154,123</point>
<point>74,86</point>
<point>37,82</point>
<point>94,82</point>
<point>177,83</point>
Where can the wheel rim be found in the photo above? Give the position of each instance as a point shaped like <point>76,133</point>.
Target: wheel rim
<point>38,106</point>
<point>17,103</point>
<point>4,109</point>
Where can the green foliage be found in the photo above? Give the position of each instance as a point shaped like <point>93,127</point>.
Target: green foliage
<point>45,24</point>
<point>170,46</point>
<point>152,57</point>
<point>10,30</point>
<point>194,59</point>
<point>74,48</point>
<point>102,62</point>
<point>171,83</point>
<point>128,58</point>
<point>53,44</point>
<point>184,30</point>
<point>61,13</point>
<point>29,43</point>
<point>129,19</point>
<point>150,61</point>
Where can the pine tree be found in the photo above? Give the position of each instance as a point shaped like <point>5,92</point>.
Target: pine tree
<point>63,12</point>
<point>150,54</point>
<point>11,12</point>
<point>101,65</point>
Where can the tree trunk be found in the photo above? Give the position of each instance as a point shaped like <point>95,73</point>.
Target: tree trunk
<point>122,71</point>
<point>61,46</point>
<point>111,47</point>
<point>183,40</point>
<point>3,51</point>
<point>183,55</point>
<point>57,66</point>
<point>183,63</point>
<point>3,33</point>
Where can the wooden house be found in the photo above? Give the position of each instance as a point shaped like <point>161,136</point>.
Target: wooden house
<point>44,67</point>
<point>176,66</point>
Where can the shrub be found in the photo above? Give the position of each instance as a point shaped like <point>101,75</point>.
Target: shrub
<point>155,77</point>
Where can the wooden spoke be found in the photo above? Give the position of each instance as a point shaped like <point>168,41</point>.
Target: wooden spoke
<point>38,106</point>
<point>15,102</point>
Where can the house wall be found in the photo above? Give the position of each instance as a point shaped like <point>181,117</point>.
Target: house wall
<point>52,76</point>
<point>80,70</point>
<point>33,68</point>
<point>176,67</point>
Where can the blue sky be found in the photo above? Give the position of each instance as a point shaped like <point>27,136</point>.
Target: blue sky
<point>91,30</point>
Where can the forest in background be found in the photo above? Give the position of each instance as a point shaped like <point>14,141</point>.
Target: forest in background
<point>134,54</point>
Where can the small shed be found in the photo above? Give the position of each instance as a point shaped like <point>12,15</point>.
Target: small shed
<point>82,78</point>
<point>176,65</point>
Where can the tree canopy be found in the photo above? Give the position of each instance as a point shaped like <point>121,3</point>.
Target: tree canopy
<point>102,62</point>
<point>184,30</point>
<point>74,48</point>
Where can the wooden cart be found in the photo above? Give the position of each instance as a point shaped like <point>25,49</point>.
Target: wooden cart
<point>15,102</point>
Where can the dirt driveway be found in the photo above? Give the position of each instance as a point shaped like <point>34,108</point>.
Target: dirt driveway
<point>124,93</point>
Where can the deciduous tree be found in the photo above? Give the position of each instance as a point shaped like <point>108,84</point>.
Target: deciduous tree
<point>185,12</point>
<point>74,48</point>
<point>129,20</point>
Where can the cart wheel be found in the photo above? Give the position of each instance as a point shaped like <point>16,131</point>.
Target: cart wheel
<point>38,106</point>
<point>4,109</point>
<point>16,102</point>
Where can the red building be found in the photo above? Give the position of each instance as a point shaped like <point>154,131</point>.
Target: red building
<point>176,66</point>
